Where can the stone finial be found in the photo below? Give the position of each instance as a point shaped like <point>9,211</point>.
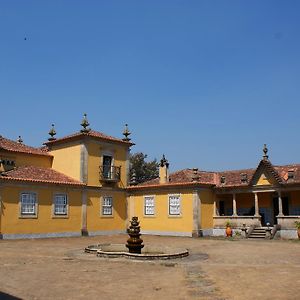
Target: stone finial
<point>265,150</point>
<point>195,176</point>
<point>19,140</point>
<point>164,162</point>
<point>126,134</point>
<point>164,170</point>
<point>133,178</point>
<point>85,123</point>
<point>52,133</point>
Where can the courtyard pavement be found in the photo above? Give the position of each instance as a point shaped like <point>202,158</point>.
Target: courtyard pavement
<point>216,269</point>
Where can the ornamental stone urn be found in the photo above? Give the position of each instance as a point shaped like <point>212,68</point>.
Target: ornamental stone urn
<point>134,243</point>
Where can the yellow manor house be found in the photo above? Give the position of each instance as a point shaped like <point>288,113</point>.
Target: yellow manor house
<point>79,185</point>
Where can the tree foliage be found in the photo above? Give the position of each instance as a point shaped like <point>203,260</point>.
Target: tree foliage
<point>144,170</point>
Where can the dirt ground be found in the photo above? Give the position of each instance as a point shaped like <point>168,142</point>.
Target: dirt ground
<point>216,269</point>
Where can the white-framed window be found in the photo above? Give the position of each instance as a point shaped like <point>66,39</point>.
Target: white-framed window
<point>60,204</point>
<point>174,205</point>
<point>28,204</point>
<point>149,205</point>
<point>107,206</point>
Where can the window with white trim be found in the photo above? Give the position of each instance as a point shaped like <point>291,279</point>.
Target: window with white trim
<point>60,204</point>
<point>174,205</point>
<point>107,206</point>
<point>28,204</point>
<point>149,205</point>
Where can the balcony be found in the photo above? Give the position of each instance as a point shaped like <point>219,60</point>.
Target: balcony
<point>110,173</point>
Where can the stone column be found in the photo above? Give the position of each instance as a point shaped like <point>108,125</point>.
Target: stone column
<point>280,214</point>
<point>215,212</point>
<point>84,230</point>
<point>256,205</point>
<point>234,213</point>
<point>196,214</point>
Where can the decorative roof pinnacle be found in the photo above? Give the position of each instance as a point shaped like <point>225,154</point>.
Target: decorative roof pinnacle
<point>85,123</point>
<point>265,150</point>
<point>195,176</point>
<point>19,140</point>
<point>52,133</point>
<point>164,162</point>
<point>126,134</point>
<point>133,178</point>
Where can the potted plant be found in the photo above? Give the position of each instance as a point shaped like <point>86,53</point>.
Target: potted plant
<point>228,229</point>
<point>297,224</point>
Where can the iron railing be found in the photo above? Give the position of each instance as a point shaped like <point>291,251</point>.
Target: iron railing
<point>110,173</point>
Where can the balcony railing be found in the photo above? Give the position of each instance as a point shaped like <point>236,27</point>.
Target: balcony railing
<point>110,173</point>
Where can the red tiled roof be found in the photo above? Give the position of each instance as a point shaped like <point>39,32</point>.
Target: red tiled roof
<point>232,178</point>
<point>12,146</point>
<point>283,172</point>
<point>40,175</point>
<point>91,133</point>
<point>182,177</point>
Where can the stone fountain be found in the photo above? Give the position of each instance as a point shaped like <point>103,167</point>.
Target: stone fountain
<point>134,243</point>
<point>135,246</point>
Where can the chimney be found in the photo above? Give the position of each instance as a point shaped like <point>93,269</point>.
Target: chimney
<point>163,170</point>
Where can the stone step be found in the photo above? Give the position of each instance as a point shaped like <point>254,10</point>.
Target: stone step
<point>258,233</point>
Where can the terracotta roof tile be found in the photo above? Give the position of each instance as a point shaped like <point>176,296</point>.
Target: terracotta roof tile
<point>182,177</point>
<point>91,133</point>
<point>12,146</point>
<point>38,174</point>
<point>232,178</point>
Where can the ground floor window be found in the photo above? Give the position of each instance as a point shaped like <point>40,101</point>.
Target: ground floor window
<point>60,204</point>
<point>174,205</point>
<point>107,203</point>
<point>28,204</point>
<point>149,205</point>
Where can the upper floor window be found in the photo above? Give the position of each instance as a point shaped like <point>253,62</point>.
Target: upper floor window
<point>109,172</point>
<point>60,204</point>
<point>107,166</point>
<point>28,204</point>
<point>149,205</point>
<point>107,206</point>
<point>174,205</point>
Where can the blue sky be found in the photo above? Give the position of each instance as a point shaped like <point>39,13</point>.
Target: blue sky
<point>205,82</point>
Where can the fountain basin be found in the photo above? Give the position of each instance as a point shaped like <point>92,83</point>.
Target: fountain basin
<point>148,252</point>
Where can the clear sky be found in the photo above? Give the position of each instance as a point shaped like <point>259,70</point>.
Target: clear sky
<point>205,82</point>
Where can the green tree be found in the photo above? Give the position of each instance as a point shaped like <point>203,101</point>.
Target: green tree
<point>144,170</point>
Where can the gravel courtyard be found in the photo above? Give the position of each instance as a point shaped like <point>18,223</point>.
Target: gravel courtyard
<point>216,269</point>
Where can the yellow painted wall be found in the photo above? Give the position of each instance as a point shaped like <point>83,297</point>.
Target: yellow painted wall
<point>97,222</point>
<point>207,207</point>
<point>67,159</point>
<point>95,152</point>
<point>23,159</point>
<point>45,223</point>
<point>245,200</point>
<point>294,198</point>
<point>263,180</point>
<point>265,199</point>
<point>161,221</point>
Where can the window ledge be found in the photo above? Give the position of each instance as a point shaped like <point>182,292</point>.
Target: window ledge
<point>28,217</point>
<point>60,217</point>
<point>174,216</point>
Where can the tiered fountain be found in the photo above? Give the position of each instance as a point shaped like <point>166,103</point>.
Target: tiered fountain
<point>135,246</point>
<point>134,243</point>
